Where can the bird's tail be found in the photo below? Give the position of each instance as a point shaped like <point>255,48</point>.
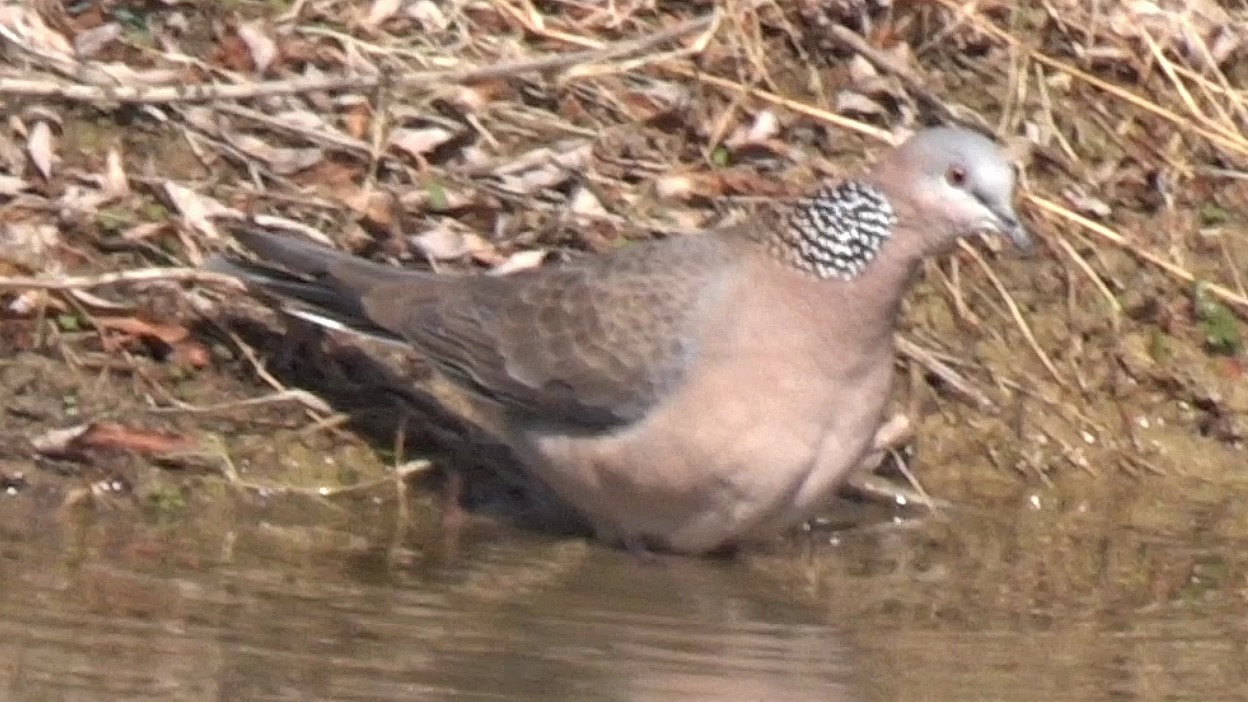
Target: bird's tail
<point>312,282</point>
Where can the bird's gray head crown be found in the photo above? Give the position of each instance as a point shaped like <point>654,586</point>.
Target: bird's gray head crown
<point>950,182</point>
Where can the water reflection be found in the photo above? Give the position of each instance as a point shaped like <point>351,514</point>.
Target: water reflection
<point>112,609</point>
<point>1126,599</point>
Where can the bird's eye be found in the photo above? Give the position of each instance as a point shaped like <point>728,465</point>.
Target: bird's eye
<point>956,175</point>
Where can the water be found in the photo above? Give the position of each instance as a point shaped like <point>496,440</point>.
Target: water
<point>1013,606</point>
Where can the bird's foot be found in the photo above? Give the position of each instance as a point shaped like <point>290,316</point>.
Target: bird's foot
<point>892,435</point>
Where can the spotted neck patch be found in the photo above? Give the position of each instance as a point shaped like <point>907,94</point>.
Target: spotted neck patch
<point>836,232</point>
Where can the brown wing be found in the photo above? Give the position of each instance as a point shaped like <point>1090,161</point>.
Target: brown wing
<point>593,343</point>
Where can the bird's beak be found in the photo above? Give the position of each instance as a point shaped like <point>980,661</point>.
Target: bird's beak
<point>1009,225</point>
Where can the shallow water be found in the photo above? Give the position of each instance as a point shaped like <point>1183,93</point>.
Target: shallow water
<point>964,607</point>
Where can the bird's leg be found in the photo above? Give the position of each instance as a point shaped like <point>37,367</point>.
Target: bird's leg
<point>892,435</point>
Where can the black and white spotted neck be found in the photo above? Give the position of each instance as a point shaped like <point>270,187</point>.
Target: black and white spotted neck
<point>836,232</point>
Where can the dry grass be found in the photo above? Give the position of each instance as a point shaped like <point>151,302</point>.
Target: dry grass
<point>491,134</point>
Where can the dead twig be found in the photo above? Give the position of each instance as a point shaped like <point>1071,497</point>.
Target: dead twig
<point>142,275</point>
<point>166,94</point>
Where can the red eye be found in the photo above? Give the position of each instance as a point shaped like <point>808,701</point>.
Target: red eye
<point>956,175</point>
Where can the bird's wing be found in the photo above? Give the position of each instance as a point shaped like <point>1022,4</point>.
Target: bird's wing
<point>591,344</point>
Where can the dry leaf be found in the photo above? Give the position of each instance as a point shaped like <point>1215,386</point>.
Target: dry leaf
<point>185,350</point>
<point>109,435</point>
<point>380,11</point>
<point>901,53</point>
<point>92,41</point>
<point>169,334</point>
<point>262,48</point>
<point>12,185</point>
<point>860,69</point>
<point>143,231</point>
<point>375,206</point>
<point>469,98</point>
<point>80,203</point>
<point>686,220</point>
<point>1086,204</point>
<point>24,22</point>
<point>39,148</point>
<point>356,120</point>
<point>537,179</point>
<point>573,154</point>
<point>74,441</point>
<point>116,184</point>
<point>120,73</point>
<point>419,142</point>
<point>290,225</point>
<point>95,302</point>
<point>303,119</point>
<point>1181,26</point>
<point>195,209</point>
<point>283,160</point>
<point>677,186</point>
<point>29,244</point>
<point>428,15</point>
<point>585,202</point>
<point>764,127</point>
<point>850,102</point>
<point>519,261</point>
<point>446,244</point>
<point>30,301</point>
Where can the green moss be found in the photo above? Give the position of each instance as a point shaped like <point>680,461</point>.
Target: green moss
<point>437,195</point>
<point>113,219</point>
<point>167,502</point>
<point>1159,347</point>
<point>1212,215</point>
<point>1218,324</point>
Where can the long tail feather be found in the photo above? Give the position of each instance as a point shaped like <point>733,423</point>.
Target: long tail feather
<point>312,282</point>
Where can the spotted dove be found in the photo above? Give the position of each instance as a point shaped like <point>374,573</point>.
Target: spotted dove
<point>694,392</point>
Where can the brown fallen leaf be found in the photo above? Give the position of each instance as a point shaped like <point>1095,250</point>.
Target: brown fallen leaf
<point>356,120</point>
<point>233,53</point>
<point>191,354</point>
<point>76,441</point>
<point>168,333</point>
<point>183,349</point>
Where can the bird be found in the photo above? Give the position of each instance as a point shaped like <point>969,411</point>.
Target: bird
<point>688,394</point>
